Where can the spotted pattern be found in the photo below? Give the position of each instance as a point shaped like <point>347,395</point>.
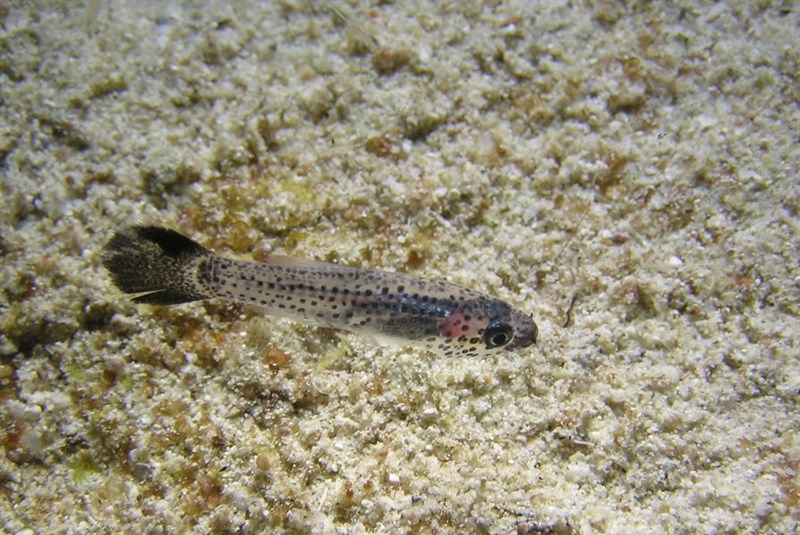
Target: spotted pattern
<point>165,267</point>
<point>439,316</point>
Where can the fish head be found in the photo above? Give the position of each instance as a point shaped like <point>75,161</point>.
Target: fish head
<point>486,326</point>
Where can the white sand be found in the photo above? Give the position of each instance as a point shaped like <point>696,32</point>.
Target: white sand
<point>628,175</point>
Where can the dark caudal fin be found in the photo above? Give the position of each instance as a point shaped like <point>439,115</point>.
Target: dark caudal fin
<point>157,262</point>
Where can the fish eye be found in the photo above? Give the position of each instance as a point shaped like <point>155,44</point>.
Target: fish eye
<point>498,334</point>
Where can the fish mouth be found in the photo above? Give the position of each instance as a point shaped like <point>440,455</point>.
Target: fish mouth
<point>524,337</point>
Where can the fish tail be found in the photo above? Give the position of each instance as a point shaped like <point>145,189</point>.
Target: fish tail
<point>159,263</point>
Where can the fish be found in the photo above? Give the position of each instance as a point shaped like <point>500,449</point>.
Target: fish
<point>164,267</point>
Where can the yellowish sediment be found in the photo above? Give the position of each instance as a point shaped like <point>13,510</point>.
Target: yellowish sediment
<point>625,173</point>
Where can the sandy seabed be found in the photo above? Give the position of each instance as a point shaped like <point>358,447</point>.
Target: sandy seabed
<point>627,173</point>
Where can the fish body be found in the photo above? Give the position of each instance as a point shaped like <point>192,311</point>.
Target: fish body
<point>169,268</point>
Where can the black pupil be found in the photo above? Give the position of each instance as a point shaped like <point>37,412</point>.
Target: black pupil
<point>498,334</point>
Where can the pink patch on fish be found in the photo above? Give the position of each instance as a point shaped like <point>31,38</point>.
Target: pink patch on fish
<point>459,325</point>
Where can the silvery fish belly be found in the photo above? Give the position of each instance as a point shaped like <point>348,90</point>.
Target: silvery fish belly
<point>169,268</point>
